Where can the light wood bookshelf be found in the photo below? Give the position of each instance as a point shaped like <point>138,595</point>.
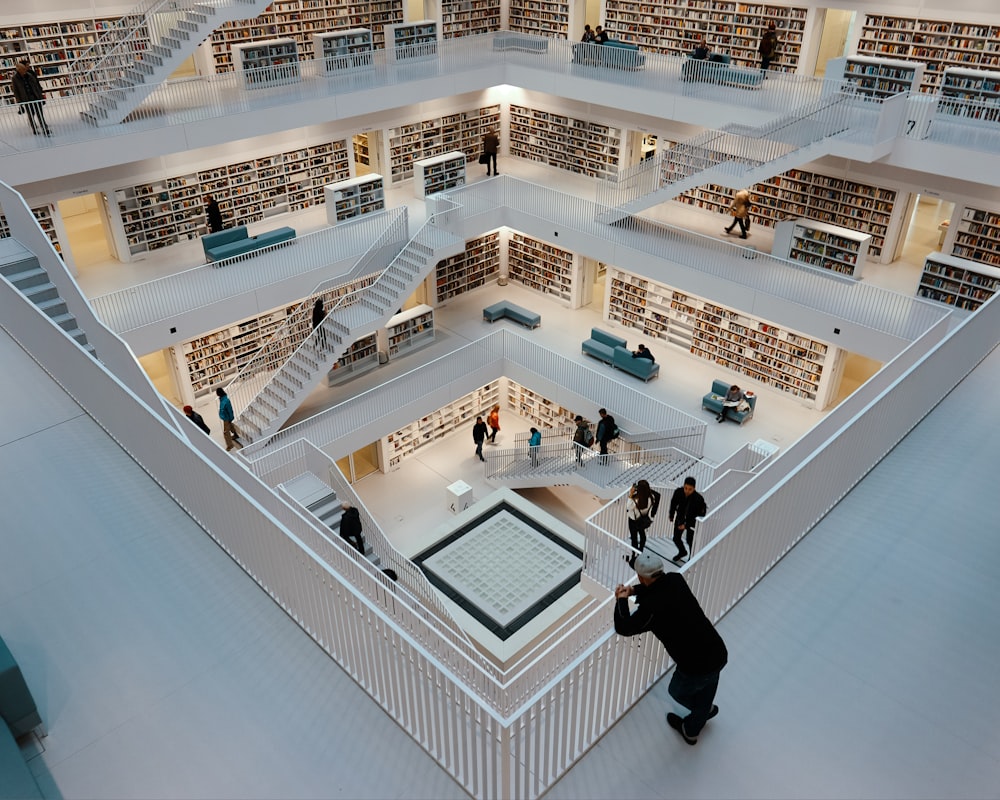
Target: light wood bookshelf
<point>478,265</point>
<point>460,413</point>
<point>781,359</point>
<point>958,282</point>
<point>576,145</point>
<point>354,197</point>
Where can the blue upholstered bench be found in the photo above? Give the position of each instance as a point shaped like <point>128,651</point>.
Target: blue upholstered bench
<point>511,311</point>
<point>602,344</point>
<point>613,53</point>
<point>526,44</point>
<point>717,69</point>
<point>713,402</point>
<point>237,241</point>
<point>639,367</point>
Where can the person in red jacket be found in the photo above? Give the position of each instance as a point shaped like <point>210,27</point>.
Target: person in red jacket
<point>669,610</point>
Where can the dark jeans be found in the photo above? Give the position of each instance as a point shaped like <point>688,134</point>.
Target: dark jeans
<point>679,536</point>
<point>479,448</point>
<point>765,63</point>
<point>492,159</point>
<point>742,223</point>
<point>356,541</point>
<point>694,692</point>
<point>637,532</point>
<point>34,111</point>
<point>493,434</point>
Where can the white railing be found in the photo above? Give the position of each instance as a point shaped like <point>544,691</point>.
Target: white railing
<point>345,604</point>
<point>164,298</point>
<point>526,204</point>
<point>968,124</point>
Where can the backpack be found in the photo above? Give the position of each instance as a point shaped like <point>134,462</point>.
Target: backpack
<point>588,437</point>
<point>614,431</point>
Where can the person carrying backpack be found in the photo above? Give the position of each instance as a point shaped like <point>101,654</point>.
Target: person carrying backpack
<point>643,503</point>
<point>583,438</point>
<point>607,429</point>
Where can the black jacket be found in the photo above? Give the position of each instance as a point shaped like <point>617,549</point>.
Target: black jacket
<point>318,315</point>
<point>350,523</point>
<point>199,420</point>
<point>214,214</point>
<point>479,432</point>
<point>26,87</point>
<point>687,509</point>
<point>670,611</point>
<point>606,429</point>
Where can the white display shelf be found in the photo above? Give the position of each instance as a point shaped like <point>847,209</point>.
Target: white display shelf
<point>408,330</point>
<point>412,41</point>
<point>170,210</point>
<point>977,236</point>
<point>463,131</point>
<point>353,198</point>
<point>589,148</point>
<point>360,357</point>
<point>439,173</point>
<point>797,193</point>
<point>970,95</point>
<point>272,62</point>
<point>775,357</point>
<point>302,19</point>
<point>958,282</point>
<point>344,49</point>
<point>435,426</point>
<point>674,27</point>
<point>541,266</point>
<point>938,44</point>
<point>877,77</point>
<point>822,245</point>
<point>540,410</point>
<point>479,264</point>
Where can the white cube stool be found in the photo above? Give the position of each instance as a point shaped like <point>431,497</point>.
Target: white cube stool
<point>458,497</point>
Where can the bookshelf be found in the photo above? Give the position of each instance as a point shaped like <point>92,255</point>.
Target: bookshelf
<point>479,264</point>
<point>674,26</point>
<point>541,266</point>
<point>822,245</point>
<point>550,18</point>
<point>170,210</point>
<point>302,19</point>
<point>576,145</point>
<point>346,49</point>
<point>439,173</point>
<point>877,77</point>
<point>268,63</point>
<point>435,426</point>
<point>469,17</point>
<point>410,41</point>
<point>353,198</point>
<point>939,44</point>
<point>957,282</point>
<point>44,216</point>
<point>861,207</point>
<point>360,357</point>
<point>408,330</point>
<point>962,87</point>
<point>540,410</point>
<point>436,135</point>
<point>50,47</point>
<point>977,237</point>
<point>361,153</point>
<point>781,359</point>
<point>215,358</point>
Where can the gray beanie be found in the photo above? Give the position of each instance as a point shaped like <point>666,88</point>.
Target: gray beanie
<point>648,564</point>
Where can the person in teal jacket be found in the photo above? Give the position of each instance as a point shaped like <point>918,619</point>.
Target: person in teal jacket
<point>227,416</point>
<point>533,444</point>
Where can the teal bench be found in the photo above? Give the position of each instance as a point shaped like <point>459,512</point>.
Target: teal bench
<point>237,241</point>
<point>526,44</point>
<point>713,402</point>
<point>601,345</point>
<point>511,311</point>
<point>641,368</point>
<point>613,53</point>
<point>717,69</point>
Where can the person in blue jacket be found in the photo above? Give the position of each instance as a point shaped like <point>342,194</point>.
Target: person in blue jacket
<point>533,444</point>
<point>227,416</point>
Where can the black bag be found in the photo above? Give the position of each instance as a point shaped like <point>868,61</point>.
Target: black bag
<point>654,505</point>
<point>484,158</point>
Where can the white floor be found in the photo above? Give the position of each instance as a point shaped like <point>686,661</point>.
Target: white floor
<point>862,666</point>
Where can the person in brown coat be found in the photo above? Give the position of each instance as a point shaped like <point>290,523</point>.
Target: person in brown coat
<point>740,209</point>
<point>30,98</point>
<point>491,143</point>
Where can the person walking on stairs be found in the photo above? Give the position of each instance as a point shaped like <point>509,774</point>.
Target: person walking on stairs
<point>229,430</point>
<point>583,439</point>
<point>197,419</point>
<point>643,502</point>
<point>607,429</point>
<point>533,444</point>
<point>669,610</point>
<point>350,527</point>
<point>686,505</point>
<point>318,315</point>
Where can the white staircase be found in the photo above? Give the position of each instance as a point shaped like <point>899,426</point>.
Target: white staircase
<point>280,390</point>
<point>736,156</point>
<point>19,266</point>
<point>144,48</point>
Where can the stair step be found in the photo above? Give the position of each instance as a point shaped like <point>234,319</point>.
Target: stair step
<point>178,33</point>
<point>172,42</point>
<point>28,278</point>
<point>18,265</point>
<point>41,292</point>
<point>66,321</point>
<point>187,25</point>
<point>160,50</point>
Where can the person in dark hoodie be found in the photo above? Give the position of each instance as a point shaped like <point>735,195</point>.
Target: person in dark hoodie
<point>669,610</point>
<point>197,419</point>
<point>350,527</point>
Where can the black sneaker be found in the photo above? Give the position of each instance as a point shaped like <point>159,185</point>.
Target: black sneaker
<point>677,724</point>
<point>714,712</point>
<point>677,561</point>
